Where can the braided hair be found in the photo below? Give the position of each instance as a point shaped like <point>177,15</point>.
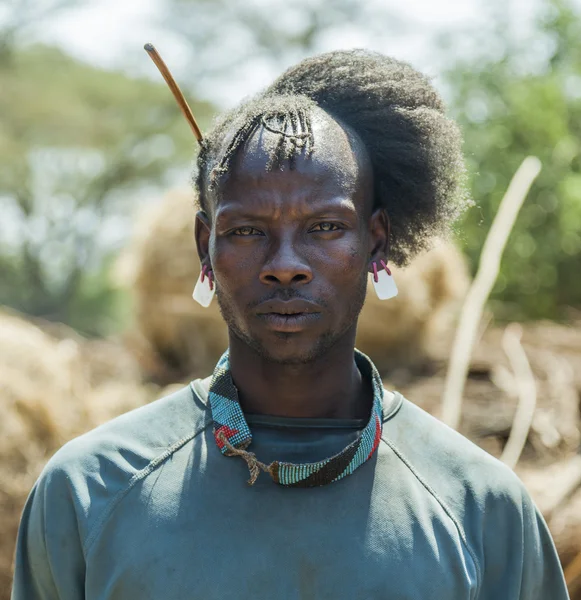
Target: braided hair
<point>414,149</point>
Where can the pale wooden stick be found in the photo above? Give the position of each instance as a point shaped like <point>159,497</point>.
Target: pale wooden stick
<point>527,393</point>
<point>482,286</point>
<point>175,90</point>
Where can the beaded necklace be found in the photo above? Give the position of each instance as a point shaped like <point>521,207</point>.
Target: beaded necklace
<point>233,435</point>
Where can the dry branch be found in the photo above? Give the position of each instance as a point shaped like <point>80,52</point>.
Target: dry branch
<point>527,394</point>
<point>482,286</point>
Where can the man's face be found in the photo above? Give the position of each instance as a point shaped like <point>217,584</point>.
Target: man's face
<point>290,249</point>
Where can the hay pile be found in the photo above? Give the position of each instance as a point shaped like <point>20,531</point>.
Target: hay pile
<point>51,390</point>
<point>177,339</point>
<point>174,338</point>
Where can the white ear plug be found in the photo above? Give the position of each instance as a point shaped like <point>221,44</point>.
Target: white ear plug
<point>383,282</point>
<point>205,288</point>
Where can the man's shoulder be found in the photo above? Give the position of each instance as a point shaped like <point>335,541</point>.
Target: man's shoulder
<point>137,437</point>
<point>498,523</point>
<point>465,479</point>
<point>100,466</point>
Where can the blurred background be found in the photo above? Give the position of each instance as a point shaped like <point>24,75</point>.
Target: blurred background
<point>96,255</point>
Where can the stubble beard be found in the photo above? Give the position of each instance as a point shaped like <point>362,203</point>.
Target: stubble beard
<point>322,345</point>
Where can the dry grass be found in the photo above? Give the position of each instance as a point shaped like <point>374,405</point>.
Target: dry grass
<point>51,390</point>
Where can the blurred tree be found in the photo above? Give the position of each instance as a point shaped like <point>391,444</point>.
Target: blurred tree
<point>77,145</point>
<point>239,39</point>
<point>19,17</point>
<point>514,98</point>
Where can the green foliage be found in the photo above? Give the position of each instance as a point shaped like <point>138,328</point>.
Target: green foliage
<point>77,146</point>
<point>522,101</point>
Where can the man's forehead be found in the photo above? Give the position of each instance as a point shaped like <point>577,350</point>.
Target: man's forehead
<point>334,154</point>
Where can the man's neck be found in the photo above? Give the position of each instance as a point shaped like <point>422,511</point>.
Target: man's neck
<point>330,386</point>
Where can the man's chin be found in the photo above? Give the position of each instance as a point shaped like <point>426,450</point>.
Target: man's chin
<point>290,357</point>
<point>287,348</point>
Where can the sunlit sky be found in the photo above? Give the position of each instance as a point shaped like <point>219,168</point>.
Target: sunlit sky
<point>111,33</point>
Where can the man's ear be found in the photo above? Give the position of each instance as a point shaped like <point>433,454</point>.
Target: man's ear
<point>379,235</point>
<point>202,235</point>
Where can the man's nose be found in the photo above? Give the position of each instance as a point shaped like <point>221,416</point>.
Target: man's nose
<point>285,267</point>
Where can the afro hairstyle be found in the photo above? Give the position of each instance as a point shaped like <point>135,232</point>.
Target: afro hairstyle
<point>414,148</point>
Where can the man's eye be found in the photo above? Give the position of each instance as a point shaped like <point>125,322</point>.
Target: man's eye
<point>325,227</point>
<point>246,231</point>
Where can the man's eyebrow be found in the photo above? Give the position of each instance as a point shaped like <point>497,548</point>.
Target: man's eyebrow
<point>337,209</point>
<point>232,212</point>
<point>342,204</point>
<point>310,207</point>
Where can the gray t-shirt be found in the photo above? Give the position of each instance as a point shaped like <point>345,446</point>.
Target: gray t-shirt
<point>146,507</point>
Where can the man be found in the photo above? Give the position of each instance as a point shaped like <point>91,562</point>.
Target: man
<point>345,164</point>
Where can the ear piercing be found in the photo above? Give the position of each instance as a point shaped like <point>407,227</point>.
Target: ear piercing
<point>383,281</point>
<point>205,288</point>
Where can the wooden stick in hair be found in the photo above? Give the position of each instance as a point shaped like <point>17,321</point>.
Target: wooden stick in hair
<point>173,86</point>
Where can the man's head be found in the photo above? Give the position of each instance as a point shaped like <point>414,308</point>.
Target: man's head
<point>295,188</point>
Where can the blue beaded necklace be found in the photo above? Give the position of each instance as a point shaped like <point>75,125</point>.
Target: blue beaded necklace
<point>233,435</point>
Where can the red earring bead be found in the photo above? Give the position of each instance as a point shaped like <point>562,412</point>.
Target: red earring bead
<point>385,267</point>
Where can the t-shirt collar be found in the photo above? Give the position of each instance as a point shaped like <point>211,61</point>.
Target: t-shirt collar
<point>233,436</point>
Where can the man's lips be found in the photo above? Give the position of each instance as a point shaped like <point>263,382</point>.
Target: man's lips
<point>288,316</point>
<point>287,307</point>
